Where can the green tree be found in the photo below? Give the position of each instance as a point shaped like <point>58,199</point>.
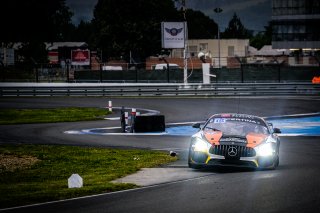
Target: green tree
<point>32,54</point>
<point>84,32</point>
<point>121,26</point>
<point>38,20</point>
<point>200,26</point>
<point>32,23</point>
<point>236,29</point>
<point>262,38</point>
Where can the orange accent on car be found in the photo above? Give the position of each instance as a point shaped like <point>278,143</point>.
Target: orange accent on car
<point>255,139</point>
<point>316,80</point>
<point>213,136</point>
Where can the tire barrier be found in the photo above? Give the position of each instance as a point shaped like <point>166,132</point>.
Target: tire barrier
<point>150,123</point>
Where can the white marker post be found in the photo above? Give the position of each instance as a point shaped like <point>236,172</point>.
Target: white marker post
<point>206,73</point>
<point>126,114</point>
<point>133,112</point>
<point>110,106</point>
<point>133,116</point>
<point>75,181</point>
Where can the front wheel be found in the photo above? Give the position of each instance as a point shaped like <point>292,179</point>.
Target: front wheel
<point>275,163</point>
<point>192,166</point>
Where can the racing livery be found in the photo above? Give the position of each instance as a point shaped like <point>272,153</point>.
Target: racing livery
<point>232,139</point>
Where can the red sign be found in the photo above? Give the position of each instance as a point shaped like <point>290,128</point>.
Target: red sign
<point>80,57</point>
<point>53,57</point>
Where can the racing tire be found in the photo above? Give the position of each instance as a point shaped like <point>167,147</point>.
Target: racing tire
<point>192,166</point>
<point>275,163</point>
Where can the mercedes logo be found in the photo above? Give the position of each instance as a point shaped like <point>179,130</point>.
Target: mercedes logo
<point>232,151</point>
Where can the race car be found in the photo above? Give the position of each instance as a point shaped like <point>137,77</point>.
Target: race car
<point>238,140</point>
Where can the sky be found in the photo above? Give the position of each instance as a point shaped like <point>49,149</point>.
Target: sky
<point>254,14</point>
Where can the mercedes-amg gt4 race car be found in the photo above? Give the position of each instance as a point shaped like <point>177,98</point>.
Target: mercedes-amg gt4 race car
<point>233,139</point>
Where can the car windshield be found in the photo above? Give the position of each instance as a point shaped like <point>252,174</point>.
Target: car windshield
<point>235,126</point>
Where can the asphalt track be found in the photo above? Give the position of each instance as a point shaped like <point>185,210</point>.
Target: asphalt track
<point>293,187</point>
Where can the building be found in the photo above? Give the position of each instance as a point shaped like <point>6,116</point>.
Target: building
<point>61,52</point>
<point>296,24</point>
<point>6,56</point>
<point>225,56</point>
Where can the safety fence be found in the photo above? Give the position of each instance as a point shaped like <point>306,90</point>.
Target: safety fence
<point>247,73</point>
<point>152,90</point>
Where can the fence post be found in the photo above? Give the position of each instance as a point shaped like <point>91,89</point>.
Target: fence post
<point>136,75</point>
<point>123,119</point>
<point>2,70</point>
<point>37,73</point>
<point>241,66</point>
<point>279,73</point>
<point>168,72</point>
<point>101,74</point>
<point>67,63</point>
<point>133,118</point>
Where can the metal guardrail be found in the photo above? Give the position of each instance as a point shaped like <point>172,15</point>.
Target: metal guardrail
<point>144,90</point>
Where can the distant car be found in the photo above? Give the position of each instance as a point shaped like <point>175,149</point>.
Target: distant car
<point>113,68</point>
<point>164,66</point>
<point>238,140</point>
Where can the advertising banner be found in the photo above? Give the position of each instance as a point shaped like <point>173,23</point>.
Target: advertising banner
<point>173,35</point>
<point>53,57</point>
<point>80,57</point>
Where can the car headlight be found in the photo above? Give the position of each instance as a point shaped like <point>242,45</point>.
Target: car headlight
<point>200,145</point>
<point>266,149</point>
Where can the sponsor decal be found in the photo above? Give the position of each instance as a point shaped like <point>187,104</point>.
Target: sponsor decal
<point>225,119</point>
<point>173,35</point>
<point>219,120</point>
<point>225,115</point>
<point>236,140</point>
<point>173,31</point>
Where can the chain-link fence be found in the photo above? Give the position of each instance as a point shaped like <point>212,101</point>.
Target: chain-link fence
<point>246,73</point>
<point>39,73</point>
<point>267,73</point>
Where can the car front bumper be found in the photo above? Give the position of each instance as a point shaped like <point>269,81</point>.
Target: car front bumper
<point>202,159</point>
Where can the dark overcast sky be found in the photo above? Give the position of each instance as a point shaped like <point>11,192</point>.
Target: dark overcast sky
<point>254,14</point>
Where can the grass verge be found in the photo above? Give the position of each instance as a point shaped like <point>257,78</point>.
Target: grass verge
<point>39,173</point>
<point>22,116</point>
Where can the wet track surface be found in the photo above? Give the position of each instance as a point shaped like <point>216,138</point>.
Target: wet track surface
<point>293,187</point>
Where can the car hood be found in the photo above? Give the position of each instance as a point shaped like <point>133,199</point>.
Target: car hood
<point>219,138</point>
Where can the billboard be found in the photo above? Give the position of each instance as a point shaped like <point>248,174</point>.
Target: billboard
<point>80,57</point>
<point>173,35</point>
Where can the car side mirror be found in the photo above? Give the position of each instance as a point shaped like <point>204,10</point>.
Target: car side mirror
<point>196,125</point>
<point>276,130</point>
